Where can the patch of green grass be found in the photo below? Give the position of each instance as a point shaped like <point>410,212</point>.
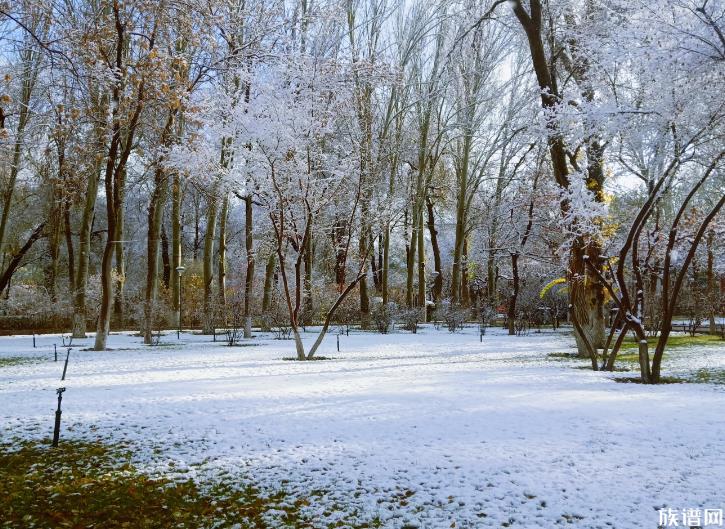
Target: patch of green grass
<point>94,485</point>
<point>663,380</point>
<point>313,359</point>
<point>569,356</point>
<point>83,484</point>
<point>19,360</point>
<point>676,341</point>
<point>617,369</point>
<point>708,376</point>
<point>633,358</point>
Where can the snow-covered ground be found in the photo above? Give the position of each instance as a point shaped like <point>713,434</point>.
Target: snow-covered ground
<point>420,430</point>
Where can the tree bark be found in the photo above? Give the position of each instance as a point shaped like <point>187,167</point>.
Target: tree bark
<point>386,266</point>
<point>363,283</point>
<point>165,257</point>
<point>209,323</point>
<point>421,268</point>
<point>268,280</point>
<point>30,62</point>
<point>437,290</point>
<point>118,152</point>
<point>222,258</point>
<point>84,253</point>
<point>54,237</point>
<point>465,289</point>
<point>410,260</point>
<point>249,276</point>
<point>308,304</point>
<point>119,294</point>
<point>175,245</point>
<point>586,294</point>
<point>461,170</point>
<point>711,287</point>
<point>155,221</point>
<point>16,259</point>
<point>69,247</point>
<point>511,312</point>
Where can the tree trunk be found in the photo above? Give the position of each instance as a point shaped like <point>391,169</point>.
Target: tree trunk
<point>363,249</point>
<point>328,317</point>
<point>410,261</point>
<point>15,261</point>
<point>69,247</point>
<point>308,261</point>
<point>30,64</point>
<point>84,253</point>
<point>586,295</point>
<point>421,268</point>
<point>339,244</point>
<point>385,268</point>
<point>104,316</point>
<point>165,257</point>
<point>176,246</point>
<point>209,323</point>
<point>155,221</point>
<point>711,287</point>
<point>197,231</point>
<point>491,297</point>
<point>511,313</point>
<point>587,298</point>
<point>386,265</point>
<point>461,170</point>
<point>465,288</point>
<point>119,294</point>
<point>54,237</point>
<point>119,150</point>
<point>299,346</point>
<point>438,280</point>
<point>268,280</point>
<point>249,276</point>
<point>374,267</point>
<point>222,258</point>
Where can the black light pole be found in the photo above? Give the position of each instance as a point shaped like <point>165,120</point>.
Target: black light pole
<point>56,430</point>
<point>65,367</point>
<point>179,271</point>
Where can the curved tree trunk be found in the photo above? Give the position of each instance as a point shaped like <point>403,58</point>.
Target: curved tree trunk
<point>437,290</point>
<point>17,258</point>
<point>586,296</point>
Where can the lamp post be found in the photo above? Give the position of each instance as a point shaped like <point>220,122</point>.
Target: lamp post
<point>179,271</point>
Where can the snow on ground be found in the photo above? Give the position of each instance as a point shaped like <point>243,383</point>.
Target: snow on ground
<point>419,430</point>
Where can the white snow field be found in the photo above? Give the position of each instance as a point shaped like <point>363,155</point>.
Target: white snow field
<point>422,430</point>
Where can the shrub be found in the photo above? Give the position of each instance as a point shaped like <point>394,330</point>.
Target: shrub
<point>409,319</point>
<point>383,317</point>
